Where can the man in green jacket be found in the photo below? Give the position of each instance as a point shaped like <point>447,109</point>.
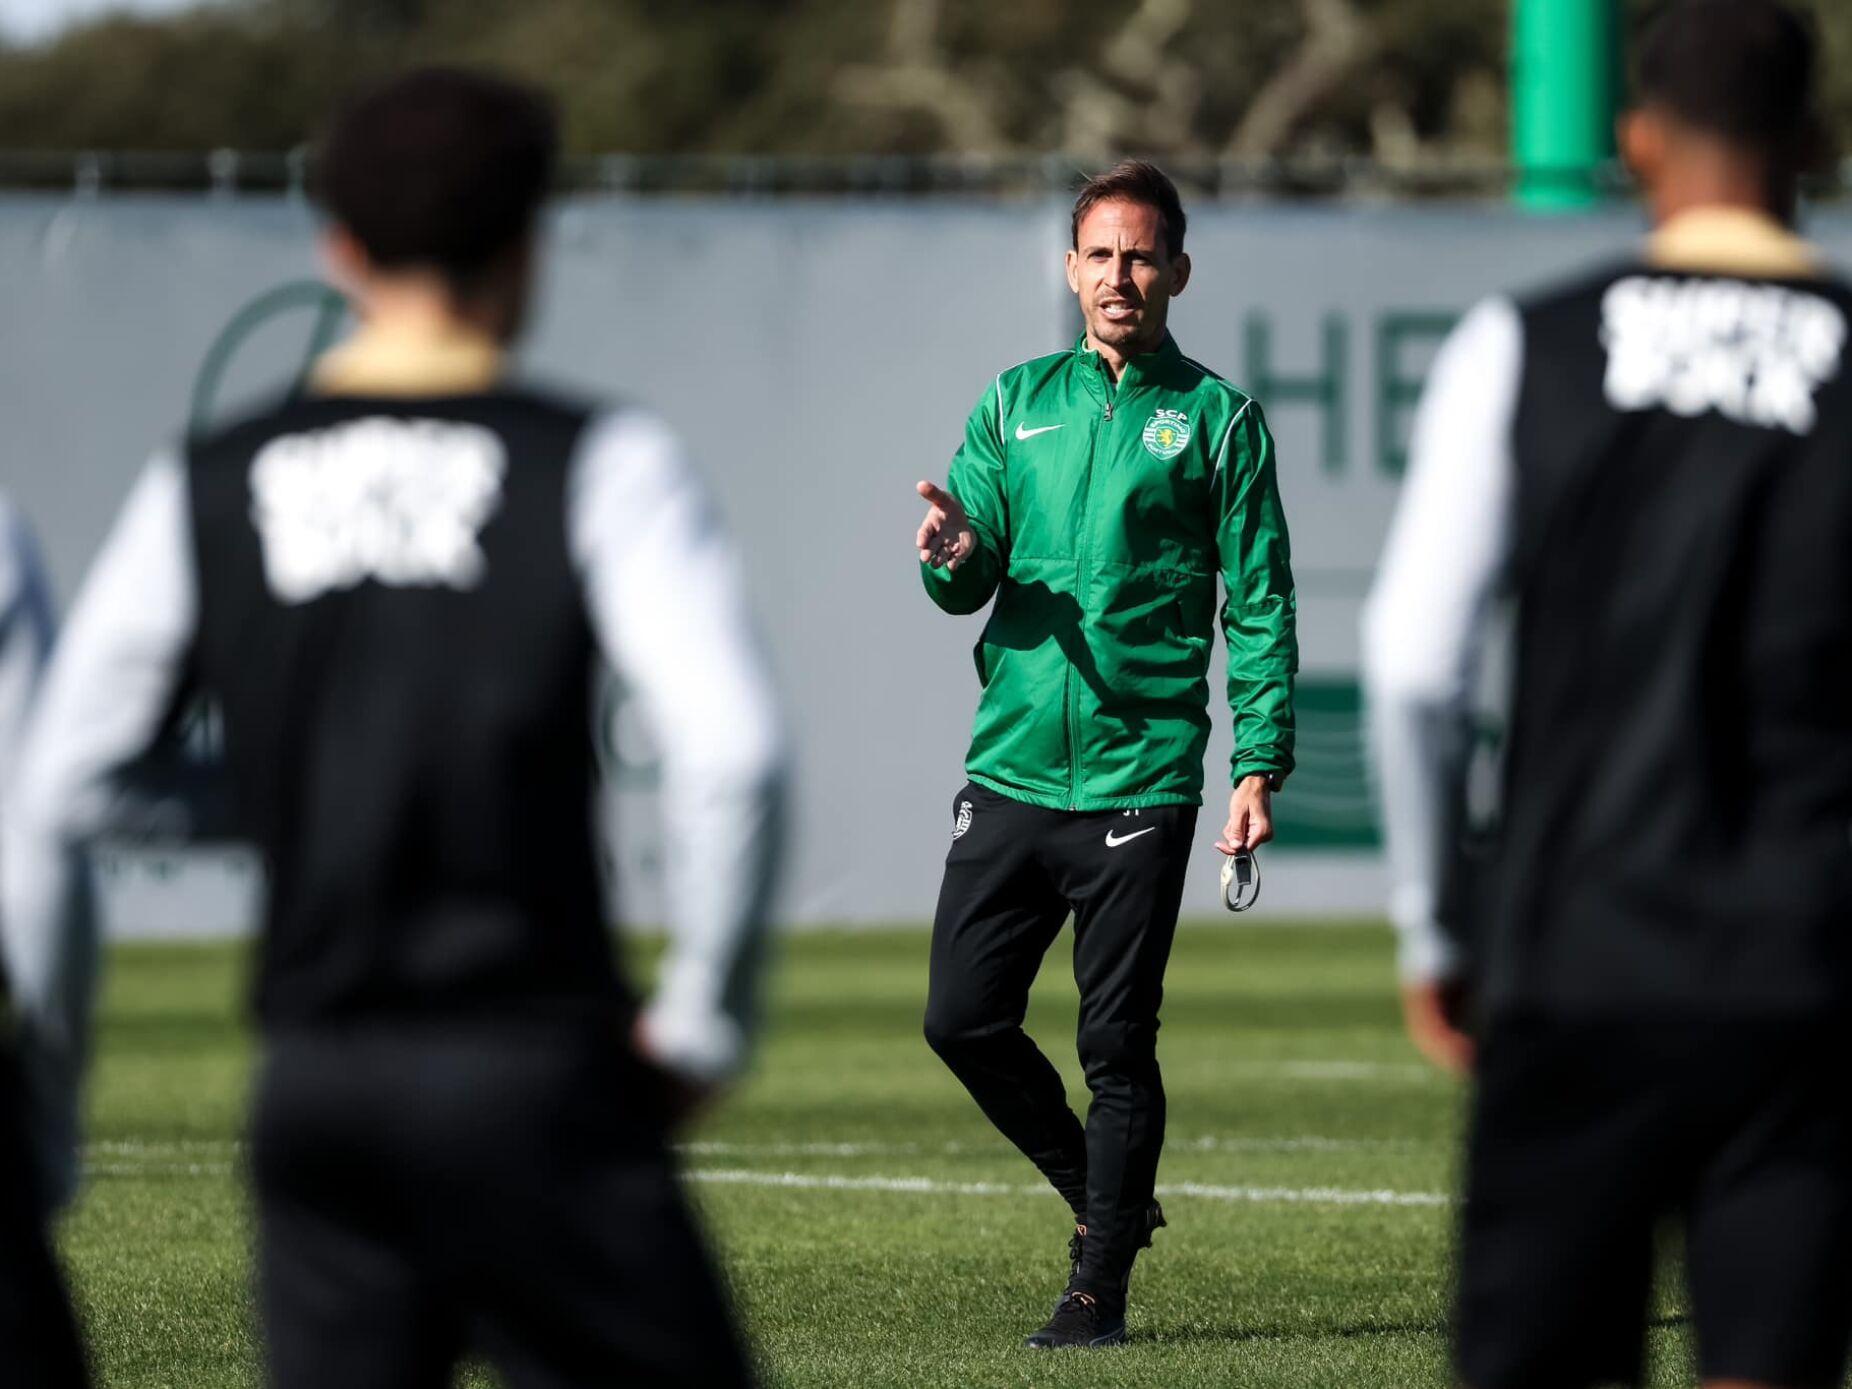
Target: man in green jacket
<point>1098,493</point>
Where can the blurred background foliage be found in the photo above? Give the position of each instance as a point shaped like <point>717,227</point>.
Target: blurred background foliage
<point>1401,82</point>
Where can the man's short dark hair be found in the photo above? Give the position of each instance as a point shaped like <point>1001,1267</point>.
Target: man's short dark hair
<point>1743,70</point>
<point>439,167</point>
<point>1135,181</point>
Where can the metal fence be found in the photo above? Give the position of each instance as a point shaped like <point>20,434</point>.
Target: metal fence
<point>227,172</point>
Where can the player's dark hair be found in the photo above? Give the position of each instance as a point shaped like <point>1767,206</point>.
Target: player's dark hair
<point>1135,181</point>
<point>439,167</point>
<point>1743,70</point>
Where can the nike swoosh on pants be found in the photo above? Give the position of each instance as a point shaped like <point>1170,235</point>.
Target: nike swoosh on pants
<point>1113,842</point>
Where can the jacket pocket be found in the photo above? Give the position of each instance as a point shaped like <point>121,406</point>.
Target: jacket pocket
<point>1152,636</point>
<point>1022,660</point>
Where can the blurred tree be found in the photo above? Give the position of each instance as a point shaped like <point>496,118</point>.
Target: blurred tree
<point>1401,81</point>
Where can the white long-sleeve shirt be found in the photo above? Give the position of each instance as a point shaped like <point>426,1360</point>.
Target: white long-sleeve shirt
<point>1428,619</point>
<point>25,632</point>
<point>667,607</point>
<point>47,925</point>
<point>1426,623</point>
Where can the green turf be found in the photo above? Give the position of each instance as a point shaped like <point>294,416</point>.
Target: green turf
<point>1286,1073</point>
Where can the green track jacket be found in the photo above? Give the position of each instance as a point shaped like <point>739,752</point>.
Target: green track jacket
<point>1103,513</point>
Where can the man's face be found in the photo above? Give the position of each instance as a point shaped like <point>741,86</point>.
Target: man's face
<point>1124,276</point>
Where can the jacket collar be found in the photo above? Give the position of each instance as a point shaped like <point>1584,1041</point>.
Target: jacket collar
<point>1732,241</point>
<point>1139,371</point>
<point>397,360</point>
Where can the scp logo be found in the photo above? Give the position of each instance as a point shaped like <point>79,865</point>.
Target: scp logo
<point>1167,434</point>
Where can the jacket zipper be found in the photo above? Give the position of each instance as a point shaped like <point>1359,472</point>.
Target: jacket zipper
<point>1080,597</point>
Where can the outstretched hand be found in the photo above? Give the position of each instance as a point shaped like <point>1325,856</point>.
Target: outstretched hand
<point>945,538</point>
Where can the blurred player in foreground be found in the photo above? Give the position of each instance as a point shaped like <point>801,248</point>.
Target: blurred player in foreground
<point>1655,463</point>
<point>1099,492</point>
<point>45,995</point>
<point>398,587</point>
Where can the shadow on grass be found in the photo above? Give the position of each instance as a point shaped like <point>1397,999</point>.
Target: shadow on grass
<point>1257,1335</point>
<point>1254,1335</point>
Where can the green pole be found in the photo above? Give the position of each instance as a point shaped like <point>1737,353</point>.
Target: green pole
<point>1565,65</point>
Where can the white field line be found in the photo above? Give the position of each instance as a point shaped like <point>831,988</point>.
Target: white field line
<point>1209,1143</point>
<point>927,1186</point>
<point>705,1148</point>
<point>158,1169</point>
<point>168,1164</point>
<point>913,1186</point>
<point>1305,1195</point>
<point>823,1181</point>
<point>105,1150</point>
<point>1335,1070</point>
<point>1304,1143</point>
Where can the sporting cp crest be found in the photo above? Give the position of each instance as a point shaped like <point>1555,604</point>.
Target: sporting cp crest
<point>964,820</point>
<point>1167,434</point>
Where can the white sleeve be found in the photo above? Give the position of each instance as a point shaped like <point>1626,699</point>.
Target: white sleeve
<point>25,634</point>
<point>668,607</point>
<point>1425,624</point>
<point>112,678</point>
<point>117,664</point>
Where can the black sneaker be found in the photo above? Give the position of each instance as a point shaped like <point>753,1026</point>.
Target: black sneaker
<point>1080,1321</point>
<point>1112,1327</point>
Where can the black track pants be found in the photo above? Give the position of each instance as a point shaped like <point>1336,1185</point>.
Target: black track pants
<point>431,1191</point>
<point>1014,873</point>
<point>1591,1135</point>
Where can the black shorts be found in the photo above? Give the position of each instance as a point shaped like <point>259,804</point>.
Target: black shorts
<point>1588,1137</point>
<point>427,1193</point>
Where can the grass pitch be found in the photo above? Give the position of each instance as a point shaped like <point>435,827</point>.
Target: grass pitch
<point>876,1231</point>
